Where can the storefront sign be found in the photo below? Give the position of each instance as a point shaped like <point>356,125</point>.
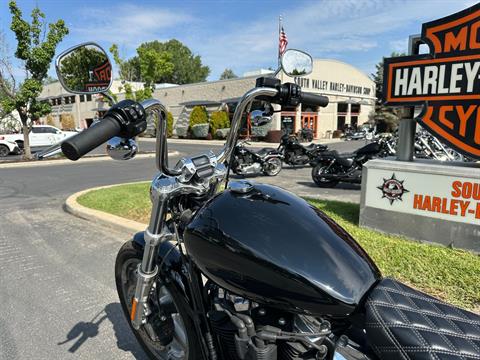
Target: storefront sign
<point>446,81</point>
<point>432,195</point>
<point>323,85</point>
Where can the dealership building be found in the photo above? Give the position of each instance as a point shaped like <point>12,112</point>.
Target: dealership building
<point>351,94</point>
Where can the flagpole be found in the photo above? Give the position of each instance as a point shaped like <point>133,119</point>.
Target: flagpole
<point>279,31</point>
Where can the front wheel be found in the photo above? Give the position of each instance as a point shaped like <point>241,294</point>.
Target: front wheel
<point>273,166</point>
<point>318,175</point>
<point>4,150</point>
<point>169,332</point>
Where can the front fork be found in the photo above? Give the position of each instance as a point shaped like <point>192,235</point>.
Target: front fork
<point>147,271</point>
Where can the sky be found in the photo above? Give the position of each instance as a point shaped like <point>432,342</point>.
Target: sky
<point>243,35</point>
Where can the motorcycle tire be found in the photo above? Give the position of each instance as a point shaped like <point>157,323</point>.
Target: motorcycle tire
<point>184,344</point>
<point>273,167</point>
<point>320,181</point>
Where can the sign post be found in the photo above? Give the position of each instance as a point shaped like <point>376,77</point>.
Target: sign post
<point>426,199</point>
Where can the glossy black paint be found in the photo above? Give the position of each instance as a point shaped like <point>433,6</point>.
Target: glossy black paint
<point>272,247</point>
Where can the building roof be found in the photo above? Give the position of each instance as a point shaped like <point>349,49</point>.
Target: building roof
<point>200,102</point>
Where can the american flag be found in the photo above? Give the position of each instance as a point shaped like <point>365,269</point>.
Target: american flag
<point>282,42</point>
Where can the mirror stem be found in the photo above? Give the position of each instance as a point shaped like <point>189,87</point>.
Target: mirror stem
<point>110,98</point>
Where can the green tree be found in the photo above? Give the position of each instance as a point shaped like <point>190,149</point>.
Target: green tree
<point>228,74</point>
<point>154,65</point>
<point>36,48</point>
<point>386,117</point>
<point>147,91</point>
<point>187,67</point>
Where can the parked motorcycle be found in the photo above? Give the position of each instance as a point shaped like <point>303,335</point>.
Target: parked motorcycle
<point>332,167</point>
<point>247,161</point>
<point>254,272</point>
<point>294,153</point>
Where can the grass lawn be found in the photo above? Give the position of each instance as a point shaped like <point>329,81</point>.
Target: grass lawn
<point>450,274</point>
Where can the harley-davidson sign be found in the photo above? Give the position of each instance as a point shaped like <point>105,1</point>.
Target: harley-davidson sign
<point>446,81</point>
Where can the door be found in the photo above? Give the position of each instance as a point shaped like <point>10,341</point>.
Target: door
<point>37,136</point>
<point>309,121</point>
<point>288,122</point>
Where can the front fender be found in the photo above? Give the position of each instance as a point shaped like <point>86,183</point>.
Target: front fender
<point>170,263</point>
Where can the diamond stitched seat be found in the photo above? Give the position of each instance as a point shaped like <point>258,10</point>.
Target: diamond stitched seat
<point>403,323</point>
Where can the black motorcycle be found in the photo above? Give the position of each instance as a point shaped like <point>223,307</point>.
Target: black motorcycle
<point>332,167</point>
<point>247,161</point>
<point>294,153</point>
<point>252,271</point>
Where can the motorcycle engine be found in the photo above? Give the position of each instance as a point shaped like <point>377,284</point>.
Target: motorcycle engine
<point>247,331</point>
<point>247,165</point>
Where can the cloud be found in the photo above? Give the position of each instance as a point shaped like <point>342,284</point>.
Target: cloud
<point>325,28</point>
<point>351,30</point>
<point>399,46</point>
<point>322,28</point>
<point>129,26</point>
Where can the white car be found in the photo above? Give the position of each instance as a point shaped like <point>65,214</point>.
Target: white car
<point>8,147</point>
<point>40,136</point>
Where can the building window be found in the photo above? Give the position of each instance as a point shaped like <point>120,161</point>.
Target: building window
<point>355,109</point>
<point>89,97</point>
<point>69,99</point>
<point>342,108</point>
<point>82,98</point>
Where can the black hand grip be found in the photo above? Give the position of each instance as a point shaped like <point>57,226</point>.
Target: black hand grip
<point>314,99</point>
<point>77,146</point>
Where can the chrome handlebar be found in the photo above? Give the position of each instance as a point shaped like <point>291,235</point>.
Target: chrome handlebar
<point>158,109</point>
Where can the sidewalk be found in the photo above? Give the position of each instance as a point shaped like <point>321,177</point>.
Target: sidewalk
<point>221,142</point>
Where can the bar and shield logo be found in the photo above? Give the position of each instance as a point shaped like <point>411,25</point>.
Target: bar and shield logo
<point>446,81</point>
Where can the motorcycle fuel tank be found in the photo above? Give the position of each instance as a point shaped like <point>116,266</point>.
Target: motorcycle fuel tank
<point>274,248</point>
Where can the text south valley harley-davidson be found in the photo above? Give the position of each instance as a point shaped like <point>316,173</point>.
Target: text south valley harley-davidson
<point>465,200</point>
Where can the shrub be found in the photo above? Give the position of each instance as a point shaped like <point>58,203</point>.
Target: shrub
<point>199,115</point>
<point>219,120</point>
<point>169,124</point>
<point>67,121</point>
<point>200,131</point>
<point>51,120</point>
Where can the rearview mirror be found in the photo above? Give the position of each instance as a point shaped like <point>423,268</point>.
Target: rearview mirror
<point>259,118</point>
<point>84,69</point>
<point>296,63</point>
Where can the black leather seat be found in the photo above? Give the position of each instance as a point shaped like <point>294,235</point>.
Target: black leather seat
<point>263,151</point>
<point>403,324</point>
<point>310,146</point>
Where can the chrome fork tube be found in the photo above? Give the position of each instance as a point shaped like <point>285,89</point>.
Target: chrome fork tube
<point>147,270</point>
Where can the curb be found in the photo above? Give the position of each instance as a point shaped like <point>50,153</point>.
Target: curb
<point>70,162</point>
<point>99,217</point>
